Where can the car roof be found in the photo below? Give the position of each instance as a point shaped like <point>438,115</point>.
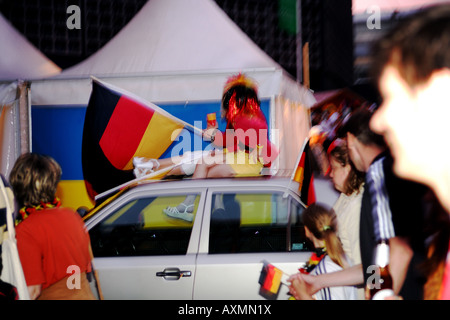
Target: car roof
<point>189,183</point>
<point>250,182</point>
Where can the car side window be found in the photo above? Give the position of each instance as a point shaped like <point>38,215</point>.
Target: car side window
<point>254,222</point>
<point>298,239</point>
<point>140,228</point>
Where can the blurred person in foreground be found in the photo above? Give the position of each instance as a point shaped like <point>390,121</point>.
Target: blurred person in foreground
<point>412,65</point>
<point>53,243</point>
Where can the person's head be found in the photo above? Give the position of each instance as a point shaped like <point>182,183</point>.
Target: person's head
<point>346,178</point>
<point>321,224</point>
<point>34,179</point>
<point>413,63</point>
<point>240,94</point>
<point>363,144</point>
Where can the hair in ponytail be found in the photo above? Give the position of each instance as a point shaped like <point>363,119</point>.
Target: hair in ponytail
<point>323,225</point>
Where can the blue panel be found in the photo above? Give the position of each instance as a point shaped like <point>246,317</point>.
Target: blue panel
<point>58,130</point>
<point>196,112</point>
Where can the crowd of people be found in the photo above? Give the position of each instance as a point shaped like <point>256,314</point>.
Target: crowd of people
<point>391,167</point>
<point>400,147</point>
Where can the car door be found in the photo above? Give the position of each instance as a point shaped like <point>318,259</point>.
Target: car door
<point>241,229</point>
<point>140,253</point>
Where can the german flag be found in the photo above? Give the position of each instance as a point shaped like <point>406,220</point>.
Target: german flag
<point>117,128</point>
<point>270,281</point>
<point>304,175</point>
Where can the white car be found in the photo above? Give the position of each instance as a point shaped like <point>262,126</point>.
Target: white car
<point>141,253</point>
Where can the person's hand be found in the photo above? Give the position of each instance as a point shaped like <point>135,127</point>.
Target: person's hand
<point>209,133</point>
<point>310,282</point>
<point>300,289</point>
<point>293,278</point>
<point>253,156</point>
<point>392,297</point>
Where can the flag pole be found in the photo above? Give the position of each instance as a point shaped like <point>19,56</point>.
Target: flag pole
<point>151,175</point>
<point>128,183</point>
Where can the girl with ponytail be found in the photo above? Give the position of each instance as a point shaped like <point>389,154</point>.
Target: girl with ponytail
<point>321,228</point>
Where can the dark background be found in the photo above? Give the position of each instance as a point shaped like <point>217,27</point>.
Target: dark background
<point>325,24</point>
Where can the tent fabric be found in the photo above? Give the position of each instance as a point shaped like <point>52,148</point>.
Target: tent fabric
<point>9,139</point>
<point>14,123</point>
<point>169,86</point>
<point>172,51</point>
<point>188,35</point>
<point>19,58</point>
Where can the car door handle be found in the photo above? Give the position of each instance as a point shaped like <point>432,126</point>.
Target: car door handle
<point>173,274</point>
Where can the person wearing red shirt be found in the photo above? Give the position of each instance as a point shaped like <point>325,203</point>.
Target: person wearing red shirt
<point>246,148</point>
<point>53,243</point>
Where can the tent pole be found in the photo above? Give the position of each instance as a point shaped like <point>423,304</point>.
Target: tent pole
<point>298,41</point>
<point>306,82</point>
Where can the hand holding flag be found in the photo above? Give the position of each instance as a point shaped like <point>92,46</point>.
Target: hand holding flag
<point>270,280</point>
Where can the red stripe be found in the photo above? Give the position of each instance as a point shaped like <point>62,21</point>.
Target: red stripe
<point>269,277</point>
<point>311,192</point>
<point>124,131</point>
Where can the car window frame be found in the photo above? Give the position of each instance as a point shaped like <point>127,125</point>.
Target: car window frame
<point>206,225</point>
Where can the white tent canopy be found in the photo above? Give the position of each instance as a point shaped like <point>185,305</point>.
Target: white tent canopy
<point>19,58</point>
<point>174,42</point>
<point>174,35</point>
<point>183,51</point>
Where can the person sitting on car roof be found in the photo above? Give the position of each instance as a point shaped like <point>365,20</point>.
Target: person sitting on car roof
<point>246,147</point>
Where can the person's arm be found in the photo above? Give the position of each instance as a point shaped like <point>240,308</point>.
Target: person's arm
<point>351,276</point>
<point>299,289</point>
<point>400,256</point>
<point>34,291</point>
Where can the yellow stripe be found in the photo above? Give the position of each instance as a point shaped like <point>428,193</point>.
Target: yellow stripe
<point>73,194</point>
<point>157,138</point>
<point>298,177</point>
<point>276,281</point>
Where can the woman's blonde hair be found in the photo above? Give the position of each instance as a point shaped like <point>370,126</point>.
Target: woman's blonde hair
<point>322,223</point>
<point>34,179</point>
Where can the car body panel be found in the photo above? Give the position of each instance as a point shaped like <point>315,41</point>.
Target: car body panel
<point>235,276</point>
<point>135,278</point>
<point>207,275</point>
